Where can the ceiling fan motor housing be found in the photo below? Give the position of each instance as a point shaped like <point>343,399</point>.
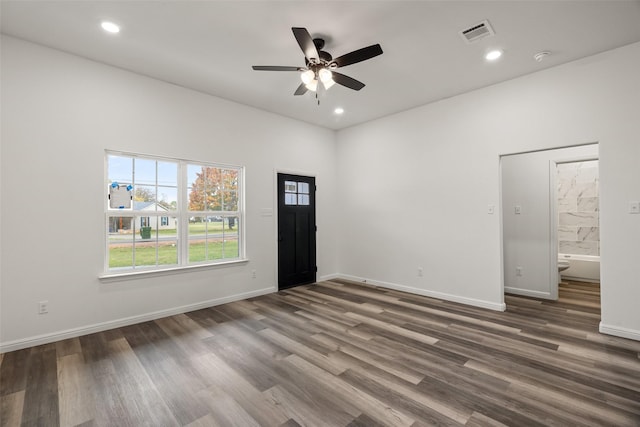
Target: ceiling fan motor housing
<point>325,58</point>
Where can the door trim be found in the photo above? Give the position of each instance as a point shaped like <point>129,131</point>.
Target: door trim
<point>554,207</point>
<point>554,276</point>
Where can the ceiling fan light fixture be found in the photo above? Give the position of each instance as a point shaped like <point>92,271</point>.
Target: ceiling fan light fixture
<point>325,75</point>
<point>307,76</point>
<point>326,78</point>
<point>312,85</point>
<point>328,83</point>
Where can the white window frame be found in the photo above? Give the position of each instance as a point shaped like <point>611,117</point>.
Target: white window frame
<point>181,214</point>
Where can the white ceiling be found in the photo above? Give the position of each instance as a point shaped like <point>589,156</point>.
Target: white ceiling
<point>210,46</point>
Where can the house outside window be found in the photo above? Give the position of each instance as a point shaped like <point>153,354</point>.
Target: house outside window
<point>182,213</point>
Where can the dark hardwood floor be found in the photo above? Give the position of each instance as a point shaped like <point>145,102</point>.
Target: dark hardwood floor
<point>337,354</point>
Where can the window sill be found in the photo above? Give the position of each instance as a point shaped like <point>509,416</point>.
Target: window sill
<point>132,275</point>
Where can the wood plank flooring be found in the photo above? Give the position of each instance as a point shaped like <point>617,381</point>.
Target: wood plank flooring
<point>337,354</point>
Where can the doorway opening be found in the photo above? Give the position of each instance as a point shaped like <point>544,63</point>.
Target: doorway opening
<point>544,216</point>
<point>296,230</point>
<point>578,231</point>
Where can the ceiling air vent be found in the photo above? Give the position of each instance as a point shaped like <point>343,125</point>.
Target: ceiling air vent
<point>476,32</point>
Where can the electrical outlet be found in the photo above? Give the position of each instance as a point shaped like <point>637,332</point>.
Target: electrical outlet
<point>517,210</point>
<point>518,271</point>
<point>491,209</point>
<point>420,272</point>
<point>43,307</point>
<point>253,274</point>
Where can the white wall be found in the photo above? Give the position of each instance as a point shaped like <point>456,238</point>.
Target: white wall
<point>530,239</point>
<point>59,113</point>
<point>415,186</point>
<point>410,190</point>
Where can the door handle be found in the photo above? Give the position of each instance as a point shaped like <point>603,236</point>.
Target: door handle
<point>279,237</point>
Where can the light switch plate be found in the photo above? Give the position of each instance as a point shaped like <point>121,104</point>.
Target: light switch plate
<point>634,207</point>
<point>517,210</point>
<point>491,209</point>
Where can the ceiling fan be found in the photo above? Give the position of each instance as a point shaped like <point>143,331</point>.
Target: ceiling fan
<point>320,65</point>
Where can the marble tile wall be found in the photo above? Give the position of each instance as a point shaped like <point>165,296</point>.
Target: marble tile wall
<point>578,216</point>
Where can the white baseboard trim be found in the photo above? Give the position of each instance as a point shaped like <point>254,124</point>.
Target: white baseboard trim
<point>99,327</point>
<point>328,277</point>
<point>527,293</point>
<point>432,294</point>
<point>619,331</point>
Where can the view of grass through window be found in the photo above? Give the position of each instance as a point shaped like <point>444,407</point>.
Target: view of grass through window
<point>156,230</point>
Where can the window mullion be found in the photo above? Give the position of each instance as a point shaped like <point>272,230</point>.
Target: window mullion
<point>183,214</point>
<point>157,219</point>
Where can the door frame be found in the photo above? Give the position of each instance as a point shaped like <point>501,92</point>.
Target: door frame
<point>553,232</point>
<point>276,215</point>
<point>553,212</point>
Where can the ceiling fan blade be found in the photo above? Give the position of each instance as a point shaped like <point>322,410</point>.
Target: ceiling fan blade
<point>306,43</point>
<point>347,81</point>
<point>302,89</point>
<point>276,68</point>
<point>358,55</point>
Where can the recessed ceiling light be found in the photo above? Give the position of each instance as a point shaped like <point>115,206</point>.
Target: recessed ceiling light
<point>110,27</point>
<point>339,110</point>
<point>493,55</point>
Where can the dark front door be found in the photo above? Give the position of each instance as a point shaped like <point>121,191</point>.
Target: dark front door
<point>296,230</point>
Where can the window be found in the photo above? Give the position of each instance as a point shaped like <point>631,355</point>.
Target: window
<point>182,213</point>
<point>296,193</point>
